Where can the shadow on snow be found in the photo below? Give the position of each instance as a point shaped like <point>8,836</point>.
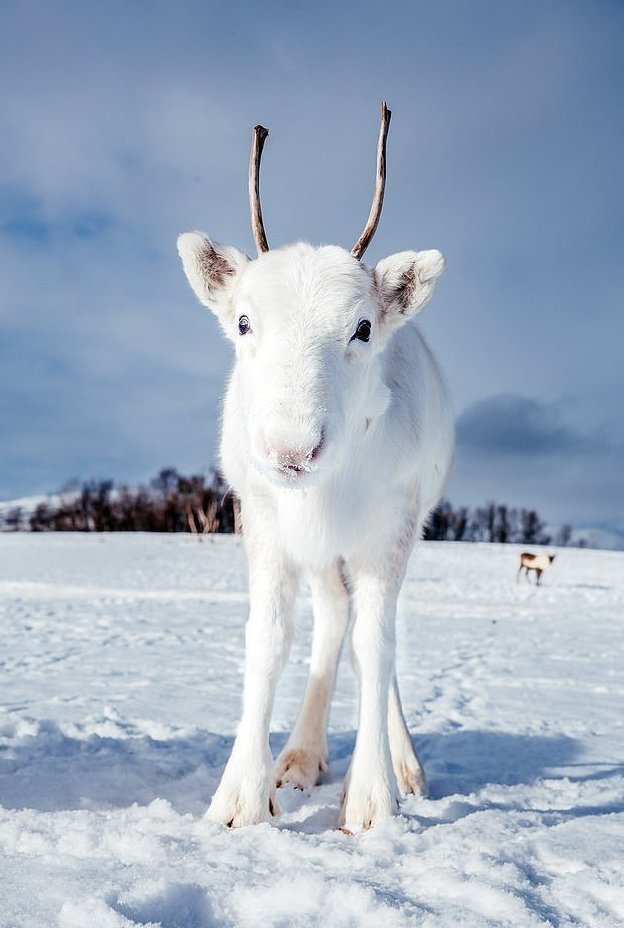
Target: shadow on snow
<point>50,770</point>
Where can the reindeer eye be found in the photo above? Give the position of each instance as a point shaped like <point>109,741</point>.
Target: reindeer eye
<point>363,331</point>
<point>243,325</point>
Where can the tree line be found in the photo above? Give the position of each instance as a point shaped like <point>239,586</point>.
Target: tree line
<point>173,502</point>
<point>496,523</point>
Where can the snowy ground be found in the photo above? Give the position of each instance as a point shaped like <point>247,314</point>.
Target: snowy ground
<point>120,678</point>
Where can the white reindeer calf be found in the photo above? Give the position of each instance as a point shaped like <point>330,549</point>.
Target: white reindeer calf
<point>337,438</point>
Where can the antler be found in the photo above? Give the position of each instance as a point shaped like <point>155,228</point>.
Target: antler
<point>259,138</point>
<point>260,135</point>
<point>380,183</point>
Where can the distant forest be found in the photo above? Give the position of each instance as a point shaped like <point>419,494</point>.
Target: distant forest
<point>173,502</point>
<point>494,522</point>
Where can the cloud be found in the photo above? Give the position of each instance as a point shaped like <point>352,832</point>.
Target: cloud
<point>543,454</point>
<point>516,425</point>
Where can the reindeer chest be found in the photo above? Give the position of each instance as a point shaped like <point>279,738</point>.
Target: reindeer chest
<point>321,524</point>
<point>316,526</point>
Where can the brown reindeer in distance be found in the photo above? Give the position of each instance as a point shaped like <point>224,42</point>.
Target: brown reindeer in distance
<point>537,562</point>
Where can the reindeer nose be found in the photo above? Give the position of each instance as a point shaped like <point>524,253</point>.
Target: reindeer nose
<point>294,456</point>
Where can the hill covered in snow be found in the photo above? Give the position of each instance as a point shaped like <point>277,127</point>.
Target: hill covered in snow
<point>121,673</point>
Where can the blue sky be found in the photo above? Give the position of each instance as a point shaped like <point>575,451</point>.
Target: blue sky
<point>122,124</point>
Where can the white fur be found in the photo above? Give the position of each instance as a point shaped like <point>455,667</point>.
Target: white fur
<point>337,449</point>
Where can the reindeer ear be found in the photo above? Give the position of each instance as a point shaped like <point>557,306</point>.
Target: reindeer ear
<point>405,282</point>
<point>213,272</point>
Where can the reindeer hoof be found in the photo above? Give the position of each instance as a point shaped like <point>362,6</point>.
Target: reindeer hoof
<point>365,803</point>
<point>410,776</point>
<point>237,803</point>
<point>299,767</point>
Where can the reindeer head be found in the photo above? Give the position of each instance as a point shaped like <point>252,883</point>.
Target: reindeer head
<point>309,326</point>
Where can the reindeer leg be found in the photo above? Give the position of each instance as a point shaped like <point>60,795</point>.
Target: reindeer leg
<point>305,755</point>
<point>245,795</point>
<point>370,791</point>
<point>407,768</point>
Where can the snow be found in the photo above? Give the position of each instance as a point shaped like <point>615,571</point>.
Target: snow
<point>121,672</point>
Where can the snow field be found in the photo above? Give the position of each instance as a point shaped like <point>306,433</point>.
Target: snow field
<point>121,674</point>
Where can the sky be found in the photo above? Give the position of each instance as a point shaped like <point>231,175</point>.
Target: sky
<point>125,123</point>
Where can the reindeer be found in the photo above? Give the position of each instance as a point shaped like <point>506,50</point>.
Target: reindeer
<point>537,562</point>
<point>338,438</point>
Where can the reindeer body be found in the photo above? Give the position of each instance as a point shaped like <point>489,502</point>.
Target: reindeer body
<point>338,439</point>
<point>536,562</point>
